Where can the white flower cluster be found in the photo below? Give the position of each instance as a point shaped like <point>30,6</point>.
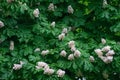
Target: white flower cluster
<point>63,53</point>
<point>48,71</point>
<point>45,67</point>
<point>11,45</point>
<point>36,13</point>
<point>44,52</point>
<point>76,54</point>
<point>1,24</point>
<point>70,9</point>
<point>53,24</point>
<point>60,73</point>
<point>37,50</point>
<point>108,56</point>
<point>62,35</point>
<point>18,66</point>
<point>51,7</point>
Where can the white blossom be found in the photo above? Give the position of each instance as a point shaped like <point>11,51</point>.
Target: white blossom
<point>61,36</point>
<point>71,44</point>
<point>63,53</point>
<point>91,58</point>
<point>18,66</point>
<point>73,48</point>
<point>77,53</point>
<point>49,71</point>
<point>106,48</point>
<point>51,7</point>
<point>36,13</point>
<point>53,24</point>
<point>60,73</point>
<point>110,53</point>
<point>110,58</point>
<point>98,52</point>
<point>44,52</point>
<point>11,45</point>
<point>42,64</point>
<point>65,31</point>
<point>71,57</point>
<point>70,9</point>
<point>1,24</point>
<point>103,41</point>
<point>37,50</point>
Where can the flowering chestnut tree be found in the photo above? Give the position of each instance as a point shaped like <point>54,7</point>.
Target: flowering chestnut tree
<point>59,39</point>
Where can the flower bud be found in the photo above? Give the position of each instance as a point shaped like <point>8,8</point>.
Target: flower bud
<point>77,53</point>
<point>103,41</point>
<point>63,53</point>
<point>11,45</point>
<point>70,9</point>
<point>98,52</point>
<point>51,7</point>
<point>36,13</point>
<point>61,36</point>
<point>71,57</point>
<point>1,24</point>
<point>60,73</point>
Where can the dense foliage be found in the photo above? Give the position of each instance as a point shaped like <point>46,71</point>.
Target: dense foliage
<point>59,39</point>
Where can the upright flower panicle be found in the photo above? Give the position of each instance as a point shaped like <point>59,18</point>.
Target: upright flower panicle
<point>65,30</point>
<point>105,3</point>
<point>63,53</point>
<point>61,36</point>
<point>18,66</point>
<point>36,13</point>
<point>98,52</point>
<point>49,71</point>
<point>110,53</point>
<point>11,45</point>
<point>51,7</point>
<point>1,24</point>
<point>60,73</point>
<point>44,52</point>
<point>73,49</point>
<point>77,53</point>
<point>71,44</point>
<point>106,48</point>
<point>70,9</point>
<point>71,57</point>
